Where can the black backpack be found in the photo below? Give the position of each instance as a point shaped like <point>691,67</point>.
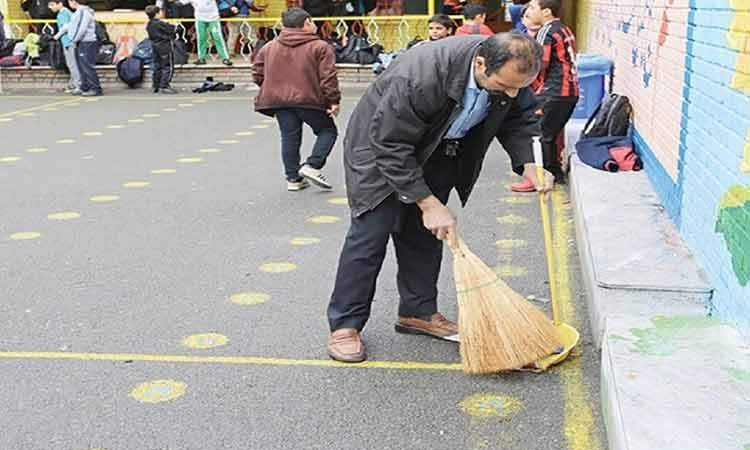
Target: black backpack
<point>57,56</point>
<point>102,37</point>
<point>358,51</point>
<point>611,118</point>
<point>130,71</point>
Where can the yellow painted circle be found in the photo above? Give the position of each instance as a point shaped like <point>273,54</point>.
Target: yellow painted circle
<point>509,271</point>
<point>104,198</point>
<point>204,341</point>
<point>93,133</point>
<point>24,236</point>
<point>8,159</point>
<point>150,115</point>
<point>511,243</point>
<point>209,150</point>
<point>517,200</point>
<point>278,267</point>
<point>300,241</point>
<point>488,406</point>
<point>228,141</point>
<point>136,184</point>
<point>158,391</point>
<point>66,141</point>
<point>115,127</point>
<point>323,219</point>
<point>512,219</point>
<point>189,160</point>
<point>260,127</point>
<point>185,105</point>
<point>67,215</point>
<point>162,171</point>
<point>36,150</point>
<point>245,133</point>
<point>136,120</point>
<point>28,114</point>
<point>338,201</point>
<point>6,119</point>
<point>169,109</point>
<point>249,298</point>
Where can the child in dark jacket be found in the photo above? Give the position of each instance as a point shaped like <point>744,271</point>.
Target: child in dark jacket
<point>161,35</point>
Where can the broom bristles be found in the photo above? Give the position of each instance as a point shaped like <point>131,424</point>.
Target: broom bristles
<point>499,329</point>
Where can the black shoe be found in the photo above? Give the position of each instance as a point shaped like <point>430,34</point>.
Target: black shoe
<point>200,62</point>
<point>227,62</point>
<point>167,90</point>
<point>155,90</point>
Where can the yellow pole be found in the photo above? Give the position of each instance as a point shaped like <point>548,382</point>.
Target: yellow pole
<point>430,8</point>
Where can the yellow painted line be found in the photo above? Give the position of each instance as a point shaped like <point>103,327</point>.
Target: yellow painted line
<point>227,360</point>
<point>107,98</point>
<point>36,108</point>
<point>579,424</point>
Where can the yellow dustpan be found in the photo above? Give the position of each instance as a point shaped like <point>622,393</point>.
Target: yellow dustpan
<point>569,336</point>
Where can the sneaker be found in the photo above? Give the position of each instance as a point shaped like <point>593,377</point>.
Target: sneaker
<point>227,62</point>
<point>200,62</point>
<point>91,94</point>
<point>315,177</point>
<point>167,91</point>
<point>155,90</point>
<point>76,92</point>
<point>297,185</point>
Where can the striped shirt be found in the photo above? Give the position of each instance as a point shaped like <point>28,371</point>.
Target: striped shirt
<point>558,77</point>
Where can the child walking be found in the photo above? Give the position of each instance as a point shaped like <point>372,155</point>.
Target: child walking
<point>161,34</point>
<point>64,16</point>
<point>207,23</point>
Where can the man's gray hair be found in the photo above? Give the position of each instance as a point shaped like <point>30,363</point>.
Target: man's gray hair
<point>502,48</point>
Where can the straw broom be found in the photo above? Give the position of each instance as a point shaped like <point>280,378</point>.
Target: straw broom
<point>498,329</point>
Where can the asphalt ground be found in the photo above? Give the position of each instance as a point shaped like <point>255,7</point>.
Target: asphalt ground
<point>162,290</point>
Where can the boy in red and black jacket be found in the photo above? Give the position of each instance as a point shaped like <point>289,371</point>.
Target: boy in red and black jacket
<point>556,87</point>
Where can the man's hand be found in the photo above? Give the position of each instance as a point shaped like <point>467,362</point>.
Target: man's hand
<point>438,218</point>
<point>333,111</point>
<point>546,185</point>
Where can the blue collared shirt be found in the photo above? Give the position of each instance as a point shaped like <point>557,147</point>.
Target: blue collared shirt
<point>476,106</point>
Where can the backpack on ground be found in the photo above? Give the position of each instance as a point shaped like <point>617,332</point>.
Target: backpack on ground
<point>106,54</point>
<point>611,118</point>
<point>130,71</point>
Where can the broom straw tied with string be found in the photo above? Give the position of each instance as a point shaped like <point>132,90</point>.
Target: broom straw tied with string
<point>499,330</point>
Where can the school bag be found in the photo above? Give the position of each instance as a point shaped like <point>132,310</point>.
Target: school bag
<point>130,71</point>
<point>611,118</point>
<point>106,54</point>
<point>144,51</point>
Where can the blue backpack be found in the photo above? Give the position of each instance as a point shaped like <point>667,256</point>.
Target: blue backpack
<point>130,71</point>
<point>144,51</point>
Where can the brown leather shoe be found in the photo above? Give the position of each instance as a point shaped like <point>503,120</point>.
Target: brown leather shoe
<point>345,345</point>
<point>438,327</point>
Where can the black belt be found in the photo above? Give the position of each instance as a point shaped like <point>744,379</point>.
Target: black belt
<point>451,147</point>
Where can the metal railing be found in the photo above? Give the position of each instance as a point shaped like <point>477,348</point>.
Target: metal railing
<point>392,32</point>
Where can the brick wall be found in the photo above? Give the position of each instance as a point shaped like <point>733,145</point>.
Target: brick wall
<point>685,64</point>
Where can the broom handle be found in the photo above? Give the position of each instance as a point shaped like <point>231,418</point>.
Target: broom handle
<point>547,227</point>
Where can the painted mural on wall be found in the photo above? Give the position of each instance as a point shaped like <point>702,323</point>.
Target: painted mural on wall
<point>685,64</point>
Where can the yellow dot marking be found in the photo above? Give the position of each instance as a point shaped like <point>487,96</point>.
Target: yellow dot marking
<point>204,341</point>
<point>169,109</point>
<point>36,150</point>
<point>228,141</point>
<point>115,127</point>
<point>91,100</point>
<point>300,241</point>
<point>70,105</point>
<point>249,298</point>
<point>51,109</point>
<point>68,215</point>
<point>9,159</point>
<point>278,267</point>
<point>66,141</point>
<point>338,201</point>
<point>509,271</point>
<point>150,115</point>
<point>136,184</point>
<point>158,391</point>
<point>245,133</point>
<point>488,406</point>
<point>6,119</point>
<point>512,219</point>
<point>93,133</point>
<point>323,219</point>
<point>185,105</point>
<point>511,243</point>
<point>136,120</point>
<point>28,114</point>
<point>24,236</point>
<point>88,157</point>
<point>260,127</point>
<point>104,198</point>
<point>162,171</point>
<point>209,150</point>
<point>200,101</point>
<point>189,160</point>
<point>516,200</point>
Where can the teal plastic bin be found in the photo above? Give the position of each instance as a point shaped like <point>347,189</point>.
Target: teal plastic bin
<point>591,72</point>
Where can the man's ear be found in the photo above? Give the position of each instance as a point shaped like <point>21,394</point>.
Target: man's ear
<point>479,64</point>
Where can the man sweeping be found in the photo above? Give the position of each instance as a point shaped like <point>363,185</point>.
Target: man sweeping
<point>414,136</point>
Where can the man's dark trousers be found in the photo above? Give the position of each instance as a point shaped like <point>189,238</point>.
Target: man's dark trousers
<point>418,253</point>
<point>86,59</point>
<point>162,66</point>
<point>556,113</point>
<point>290,124</point>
